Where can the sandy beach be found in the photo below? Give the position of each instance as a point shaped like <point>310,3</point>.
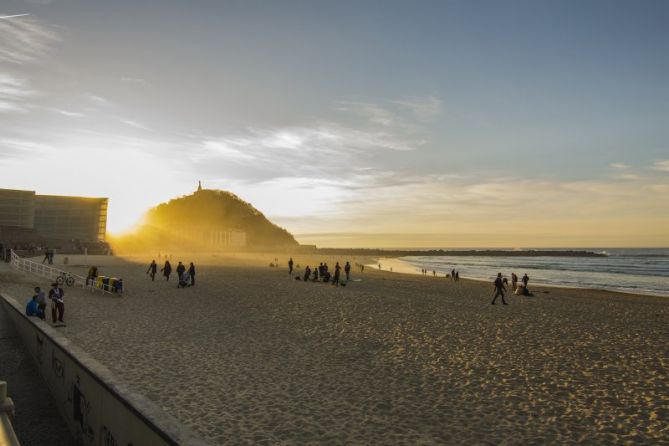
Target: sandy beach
<point>250,355</point>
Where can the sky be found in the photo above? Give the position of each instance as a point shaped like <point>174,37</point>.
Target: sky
<point>351,123</point>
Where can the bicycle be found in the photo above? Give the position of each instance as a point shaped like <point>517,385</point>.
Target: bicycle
<point>65,278</point>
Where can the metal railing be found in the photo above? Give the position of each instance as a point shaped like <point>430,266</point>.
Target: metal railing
<point>57,275</point>
<point>7,434</point>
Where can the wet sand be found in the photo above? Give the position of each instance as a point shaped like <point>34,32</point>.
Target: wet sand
<point>250,355</point>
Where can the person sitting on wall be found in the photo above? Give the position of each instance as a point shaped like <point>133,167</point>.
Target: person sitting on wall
<point>41,300</point>
<point>32,309</point>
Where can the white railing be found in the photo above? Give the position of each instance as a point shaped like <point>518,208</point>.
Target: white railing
<point>58,275</point>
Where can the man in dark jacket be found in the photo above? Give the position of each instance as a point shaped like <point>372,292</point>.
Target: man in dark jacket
<point>499,289</point>
<point>180,269</point>
<point>56,295</point>
<point>191,272</point>
<point>152,270</point>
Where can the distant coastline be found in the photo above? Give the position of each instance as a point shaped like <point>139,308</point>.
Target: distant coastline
<point>461,253</point>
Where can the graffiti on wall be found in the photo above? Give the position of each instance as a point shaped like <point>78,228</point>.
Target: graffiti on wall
<point>81,409</point>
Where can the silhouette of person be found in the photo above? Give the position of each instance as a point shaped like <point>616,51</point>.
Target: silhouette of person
<point>191,272</point>
<point>181,269</point>
<point>525,280</point>
<point>514,281</point>
<point>290,266</point>
<point>347,270</point>
<point>307,273</point>
<point>335,279</point>
<point>92,275</point>
<point>167,270</point>
<point>499,289</point>
<point>57,304</point>
<point>152,270</point>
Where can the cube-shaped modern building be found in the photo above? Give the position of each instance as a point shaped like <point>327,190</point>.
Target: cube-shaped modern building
<point>55,217</point>
<point>71,218</point>
<point>17,208</point>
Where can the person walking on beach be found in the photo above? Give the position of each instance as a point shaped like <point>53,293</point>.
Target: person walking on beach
<point>152,270</point>
<point>453,274</point>
<point>57,304</point>
<point>347,270</point>
<point>290,266</point>
<point>181,269</point>
<point>191,272</point>
<point>514,281</point>
<point>167,270</point>
<point>307,273</point>
<point>335,279</point>
<point>499,289</point>
<point>525,280</point>
<point>457,276</point>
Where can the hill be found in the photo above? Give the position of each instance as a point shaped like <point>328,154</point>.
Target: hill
<point>188,222</point>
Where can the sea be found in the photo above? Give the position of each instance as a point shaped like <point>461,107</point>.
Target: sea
<point>628,270</point>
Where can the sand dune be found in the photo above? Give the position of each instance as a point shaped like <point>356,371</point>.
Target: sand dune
<point>250,355</point>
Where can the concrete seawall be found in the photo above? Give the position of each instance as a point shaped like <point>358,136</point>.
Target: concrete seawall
<point>97,408</point>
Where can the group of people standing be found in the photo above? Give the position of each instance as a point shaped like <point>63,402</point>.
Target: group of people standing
<point>185,277</point>
<point>501,283</point>
<point>37,304</point>
<point>322,273</point>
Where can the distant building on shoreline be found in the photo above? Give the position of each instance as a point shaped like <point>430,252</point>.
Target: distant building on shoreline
<point>52,217</point>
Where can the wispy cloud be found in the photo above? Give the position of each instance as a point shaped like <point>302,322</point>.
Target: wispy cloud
<point>423,108</point>
<point>98,100</point>
<point>662,166</point>
<point>373,113</point>
<point>619,166</point>
<point>22,148</point>
<point>135,124</point>
<point>13,93</point>
<point>324,151</point>
<point>135,80</point>
<point>406,115</point>
<point>14,16</point>
<point>25,39</point>
<point>69,114</point>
